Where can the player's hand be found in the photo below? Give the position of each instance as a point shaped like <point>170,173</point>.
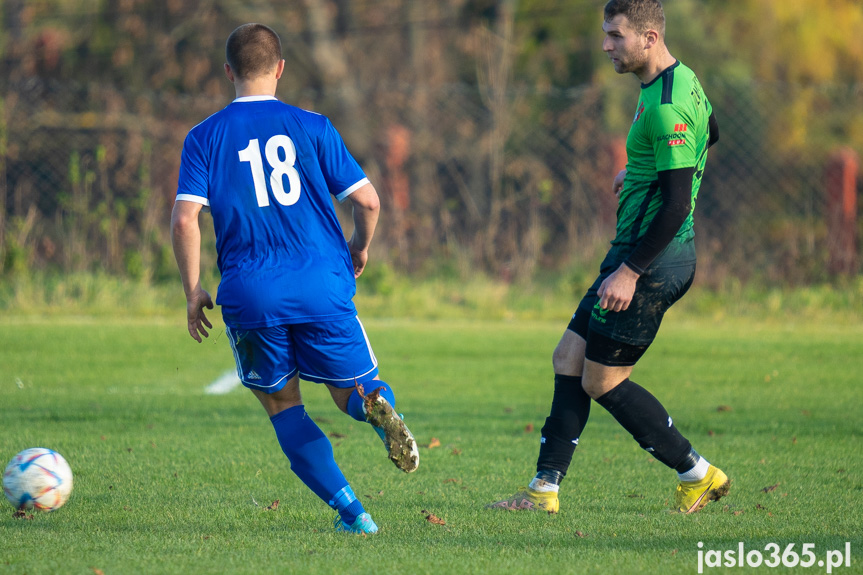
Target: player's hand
<point>617,185</point>
<point>616,291</point>
<point>359,258</point>
<point>197,319</point>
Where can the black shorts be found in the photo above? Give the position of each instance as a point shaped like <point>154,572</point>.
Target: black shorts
<point>621,338</point>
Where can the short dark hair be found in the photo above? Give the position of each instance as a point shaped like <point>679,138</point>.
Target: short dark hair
<point>253,50</point>
<point>642,14</point>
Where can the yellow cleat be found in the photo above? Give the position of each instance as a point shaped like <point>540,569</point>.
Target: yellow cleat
<point>692,496</point>
<point>529,500</point>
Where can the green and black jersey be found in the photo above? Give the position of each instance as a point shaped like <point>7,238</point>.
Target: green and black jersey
<point>670,131</point>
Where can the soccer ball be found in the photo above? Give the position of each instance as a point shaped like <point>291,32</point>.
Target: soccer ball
<point>37,478</point>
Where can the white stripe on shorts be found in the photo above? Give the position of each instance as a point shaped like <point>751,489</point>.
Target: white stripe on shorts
<point>240,367</point>
<point>371,356</point>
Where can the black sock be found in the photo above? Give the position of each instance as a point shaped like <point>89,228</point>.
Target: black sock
<point>643,416</point>
<point>570,409</point>
<point>688,463</point>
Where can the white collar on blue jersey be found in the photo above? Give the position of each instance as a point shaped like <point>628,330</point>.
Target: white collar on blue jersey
<point>255,98</point>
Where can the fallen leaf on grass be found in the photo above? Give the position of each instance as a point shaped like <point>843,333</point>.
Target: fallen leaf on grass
<point>435,442</point>
<point>673,552</point>
<point>722,408</point>
<point>432,518</point>
<point>579,534</point>
<point>711,433</point>
<point>794,440</point>
<point>736,513</point>
<point>759,506</point>
<point>97,571</point>
<point>451,480</point>
<point>21,514</point>
<point>528,428</point>
<point>337,435</point>
<point>635,496</point>
<point>771,488</point>
<point>456,451</point>
<point>273,506</point>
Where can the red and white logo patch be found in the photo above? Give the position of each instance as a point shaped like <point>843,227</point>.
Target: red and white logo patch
<point>639,112</point>
<point>679,127</point>
<point>679,142</point>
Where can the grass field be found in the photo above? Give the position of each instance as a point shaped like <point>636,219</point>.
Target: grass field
<point>170,480</point>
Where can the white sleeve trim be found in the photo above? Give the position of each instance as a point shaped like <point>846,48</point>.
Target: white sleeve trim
<point>193,198</point>
<point>344,195</point>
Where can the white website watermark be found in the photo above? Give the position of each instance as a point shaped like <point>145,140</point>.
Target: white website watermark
<point>772,555</point>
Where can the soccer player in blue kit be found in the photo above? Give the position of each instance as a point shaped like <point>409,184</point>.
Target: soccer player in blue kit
<point>266,171</point>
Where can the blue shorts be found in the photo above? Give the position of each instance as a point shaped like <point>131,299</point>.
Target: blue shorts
<point>334,352</point>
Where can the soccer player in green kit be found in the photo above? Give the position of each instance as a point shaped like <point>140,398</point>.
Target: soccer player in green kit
<point>650,265</point>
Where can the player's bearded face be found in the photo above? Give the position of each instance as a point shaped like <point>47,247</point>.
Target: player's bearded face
<point>624,46</point>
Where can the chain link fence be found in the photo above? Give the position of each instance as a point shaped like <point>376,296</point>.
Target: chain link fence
<point>490,174</point>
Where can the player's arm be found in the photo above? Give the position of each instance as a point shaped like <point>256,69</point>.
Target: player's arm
<point>675,186</point>
<point>186,239</point>
<point>616,291</point>
<point>366,209</point>
<point>713,127</point>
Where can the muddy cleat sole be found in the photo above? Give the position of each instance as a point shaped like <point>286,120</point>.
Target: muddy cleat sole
<point>399,441</point>
<point>692,496</point>
<point>529,500</point>
<point>363,524</point>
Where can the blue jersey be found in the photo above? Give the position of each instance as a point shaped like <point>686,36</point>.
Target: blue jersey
<point>267,171</point>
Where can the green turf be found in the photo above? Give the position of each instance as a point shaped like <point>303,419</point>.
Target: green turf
<point>167,477</point>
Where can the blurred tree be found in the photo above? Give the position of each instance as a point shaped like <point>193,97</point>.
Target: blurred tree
<point>488,125</point>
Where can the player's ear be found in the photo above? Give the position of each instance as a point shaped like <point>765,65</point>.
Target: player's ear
<point>280,67</point>
<point>229,73</point>
<point>651,39</point>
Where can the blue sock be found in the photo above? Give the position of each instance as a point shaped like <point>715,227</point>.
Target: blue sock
<point>355,402</point>
<point>311,457</point>
<point>348,505</point>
